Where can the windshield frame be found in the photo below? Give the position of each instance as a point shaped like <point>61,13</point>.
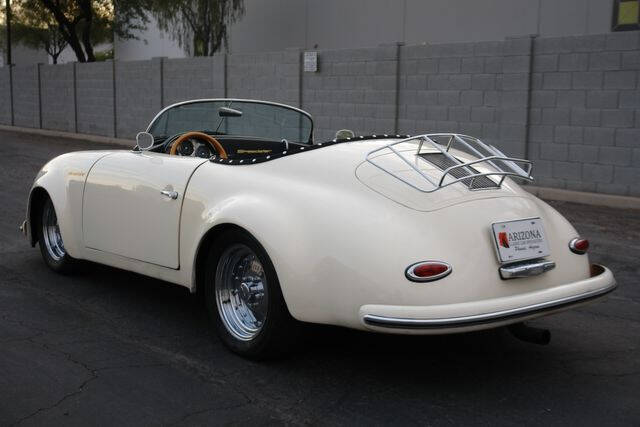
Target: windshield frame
<point>232,100</point>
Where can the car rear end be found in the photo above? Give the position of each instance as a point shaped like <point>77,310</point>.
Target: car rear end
<point>475,250</point>
<point>480,290</point>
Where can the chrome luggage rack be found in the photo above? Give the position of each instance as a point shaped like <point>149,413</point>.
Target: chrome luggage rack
<point>459,171</point>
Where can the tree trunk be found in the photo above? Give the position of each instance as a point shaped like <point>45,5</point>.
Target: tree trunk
<point>74,42</point>
<point>88,47</point>
<point>87,11</point>
<point>67,29</point>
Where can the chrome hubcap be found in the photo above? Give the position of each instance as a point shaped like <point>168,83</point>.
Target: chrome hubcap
<point>241,292</point>
<point>51,233</point>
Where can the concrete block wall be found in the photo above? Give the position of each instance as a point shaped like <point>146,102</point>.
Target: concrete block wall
<point>273,76</point>
<point>585,113</point>
<point>192,78</point>
<point>57,84</point>
<point>138,95</point>
<point>353,89</point>
<point>95,98</point>
<point>479,89</point>
<point>570,104</point>
<point>5,96</point>
<point>26,107</point>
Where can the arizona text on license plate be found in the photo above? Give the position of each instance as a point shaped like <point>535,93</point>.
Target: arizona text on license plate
<point>520,239</point>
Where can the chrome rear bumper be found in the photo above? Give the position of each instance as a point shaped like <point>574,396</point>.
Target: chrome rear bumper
<point>501,317</point>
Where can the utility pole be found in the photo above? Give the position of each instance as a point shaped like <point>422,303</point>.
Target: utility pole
<point>8,19</point>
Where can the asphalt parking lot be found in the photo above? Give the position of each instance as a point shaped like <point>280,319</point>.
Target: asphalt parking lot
<point>111,347</point>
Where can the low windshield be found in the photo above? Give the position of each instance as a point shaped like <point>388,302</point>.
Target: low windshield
<point>261,120</point>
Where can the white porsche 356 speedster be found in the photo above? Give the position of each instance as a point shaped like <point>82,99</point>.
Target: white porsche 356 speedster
<point>423,234</point>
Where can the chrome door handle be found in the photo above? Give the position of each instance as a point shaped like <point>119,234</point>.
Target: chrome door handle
<point>171,194</point>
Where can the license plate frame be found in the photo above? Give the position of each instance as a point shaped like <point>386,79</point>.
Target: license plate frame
<point>520,240</point>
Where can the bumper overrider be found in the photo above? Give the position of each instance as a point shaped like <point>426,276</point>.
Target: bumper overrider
<point>490,313</point>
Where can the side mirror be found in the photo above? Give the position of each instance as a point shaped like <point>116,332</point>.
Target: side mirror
<point>229,112</point>
<point>144,140</point>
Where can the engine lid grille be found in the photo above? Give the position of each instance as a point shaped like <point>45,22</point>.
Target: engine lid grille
<point>443,162</point>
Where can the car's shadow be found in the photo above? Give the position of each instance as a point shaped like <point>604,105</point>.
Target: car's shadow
<point>174,309</point>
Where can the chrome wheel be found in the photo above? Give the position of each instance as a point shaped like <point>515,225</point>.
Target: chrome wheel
<point>51,237</point>
<point>241,292</point>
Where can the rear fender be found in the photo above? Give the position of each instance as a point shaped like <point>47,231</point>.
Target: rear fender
<point>268,222</point>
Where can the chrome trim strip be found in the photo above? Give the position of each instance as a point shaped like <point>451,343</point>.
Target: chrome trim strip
<point>529,269</point>
<point>453,322</point>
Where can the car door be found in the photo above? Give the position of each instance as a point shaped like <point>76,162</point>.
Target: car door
<point>132,203</point>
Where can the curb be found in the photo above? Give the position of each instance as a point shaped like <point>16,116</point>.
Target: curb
<point>595,199</point>
<point>70,135</point>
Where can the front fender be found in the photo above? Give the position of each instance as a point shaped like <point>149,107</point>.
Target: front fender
<point>62,179</point>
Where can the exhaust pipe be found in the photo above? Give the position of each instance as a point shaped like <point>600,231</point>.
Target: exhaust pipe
<point>530,334</point>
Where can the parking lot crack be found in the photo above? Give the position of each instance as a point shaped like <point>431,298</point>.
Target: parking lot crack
<point>38,411</point>
<point>68,356</point>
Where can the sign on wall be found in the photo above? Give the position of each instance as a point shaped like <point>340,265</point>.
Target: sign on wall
<point>311,61</point>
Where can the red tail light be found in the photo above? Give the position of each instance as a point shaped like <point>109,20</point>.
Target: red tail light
<point>579,246</point>
<point>427,271</point>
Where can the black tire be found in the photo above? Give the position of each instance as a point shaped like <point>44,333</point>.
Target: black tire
<point>53,252</point>
<point>279,329</point>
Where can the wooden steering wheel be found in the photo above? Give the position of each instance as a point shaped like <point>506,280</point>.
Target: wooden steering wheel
<point>202,137</point>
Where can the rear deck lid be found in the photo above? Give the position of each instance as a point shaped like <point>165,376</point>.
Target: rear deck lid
<point>427,173</point>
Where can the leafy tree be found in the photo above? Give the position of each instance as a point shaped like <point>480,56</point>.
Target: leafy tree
<point>84,23</point>
<point>35,28</point>
<point>53,42</point>
<point>199,26</point>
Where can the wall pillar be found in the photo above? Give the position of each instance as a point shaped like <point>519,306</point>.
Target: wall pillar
<point>39,76</point>
<point>158,61</point>
<point>75,97</point>
<point>396,117</point>
<point>294,56</point>
<point>515,89</point>
<point>113,96</point>
<point>13,119</point>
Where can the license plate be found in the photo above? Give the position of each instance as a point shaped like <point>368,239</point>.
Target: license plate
<point>520,239</point>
